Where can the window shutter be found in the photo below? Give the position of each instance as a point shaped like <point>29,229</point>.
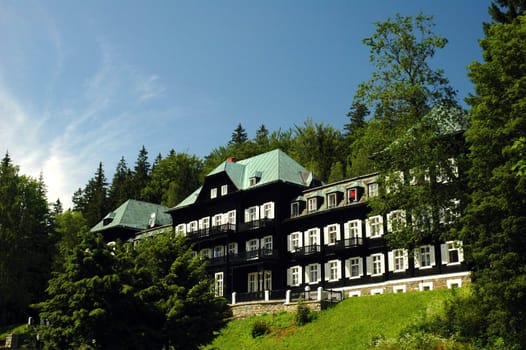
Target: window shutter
<point>300,274</point>
<point>360,266</point>
<point>326,235</point>
<point>369,265</point>
<point>257,213</point>
<point>289,277</point>
<point>338,236</point>
<point>247,215</point>
<point>460,252</point>
<point>306,274</point>
<point>271,215</point>
<point>390,259</point>
<point>289,242</point>
<point>346,230</point>
<point>432,251</point>
<point>327,271</point>
<point>360,228</point>
<point>348,268</point>
<point>300,243</point>
<point>382,263</point>
<point>367,228</point>
<point>389,222</point>
<point>406,260</point>
<point>319,272</point>
<point>339,269</point>
<point>445,254</point>
<point>417,258</point>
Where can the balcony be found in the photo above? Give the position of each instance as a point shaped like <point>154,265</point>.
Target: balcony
<point>307,250</point>
<point>212,231</point>
<point>256,224</point>
<point>344,244</point>
<point>252,255</point>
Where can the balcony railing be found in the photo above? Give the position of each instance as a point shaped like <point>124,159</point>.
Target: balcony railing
<point>345,244</point>
<point>211,231</point>
<point>262,253</point>
<point>306,250</point>
<point>256,224</point>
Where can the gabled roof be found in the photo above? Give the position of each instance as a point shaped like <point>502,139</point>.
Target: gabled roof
<point>265,168</point>
<point>134,215</point>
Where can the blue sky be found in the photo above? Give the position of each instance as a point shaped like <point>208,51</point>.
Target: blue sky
<point>89,81</point>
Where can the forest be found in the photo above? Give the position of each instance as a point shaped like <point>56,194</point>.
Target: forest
<point>400,122</point>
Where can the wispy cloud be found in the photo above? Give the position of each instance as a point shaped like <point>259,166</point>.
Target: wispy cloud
<point>149,87</point>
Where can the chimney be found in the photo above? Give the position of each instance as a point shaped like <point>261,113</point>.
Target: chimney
<point>231,160</point>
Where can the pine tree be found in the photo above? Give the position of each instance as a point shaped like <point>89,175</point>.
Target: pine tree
<point>495,218</point>
<point>141,174</point>
<point>239,136</point>
<point>119,191</point>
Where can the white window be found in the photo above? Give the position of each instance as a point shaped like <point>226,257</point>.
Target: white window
<point>204,223</point>
<point>374,226</point>
<point>251,214</point>
<point>398,260</point>
<point>312,273</point>
<point>395,220</point>
<point>372,189</point>
<point>313,240</point>
<point>232,217</point>
<point>355,293</point>
<point>219,284</point>
<point>332,270</point>
<point>217,220</point>
<point>312,204</point>
<point>455,283</point>
<point>295,241</point>
<point>353,229</point>
<point>424,286</point>
<point>224,190</point>
<point>267,280</point>
<point>192,226</point>
<point>266,244</point>
<point>450,214</point>
<point>181,228</point>
<point>252,282</point>
<point>452,253</point>
<point>332,234</point>
<point>294,276</point>
<point>205,253</point>
<point>399,289</point>
<point>352,195</point>
<point>354,267</point>
<point>219,251</point>
<point>252,245</point>
<point>294,209</point>
<point>424,257</point>
<point>232,248</point>
<point>375,264</point>
<point>267,210</point>
<point>422,220</point>
<point>377,291</point>
<point>332,200</point>
<point>213,192</point>
<point>448,172</point>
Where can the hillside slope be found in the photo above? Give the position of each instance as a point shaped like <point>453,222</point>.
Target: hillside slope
<point>351,324</point>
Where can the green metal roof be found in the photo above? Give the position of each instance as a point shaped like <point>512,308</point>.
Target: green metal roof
<point>134,215</point>
<point>266,168</point>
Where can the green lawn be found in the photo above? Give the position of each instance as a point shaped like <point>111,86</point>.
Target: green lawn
<point>352,324</point>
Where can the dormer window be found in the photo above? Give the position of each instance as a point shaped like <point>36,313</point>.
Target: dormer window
<point>294,209</point>
<point>151,222</point>
<point>332,200</point>
<point>213,193</point>
<point>352,194</point>
<point>254,179</point>
<point>312,204</point>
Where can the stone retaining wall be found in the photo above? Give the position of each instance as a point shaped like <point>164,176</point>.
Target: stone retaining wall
<point>253,308</point>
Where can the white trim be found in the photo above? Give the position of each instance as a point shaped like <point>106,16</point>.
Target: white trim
<point>377,291</point>
<point>355,293</point>
<point>422,286</point>
<point>399,288</point>
<point>405,280</point>
<point>453,283</point>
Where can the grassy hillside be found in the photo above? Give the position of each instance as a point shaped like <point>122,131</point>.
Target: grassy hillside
<point>352,324</point>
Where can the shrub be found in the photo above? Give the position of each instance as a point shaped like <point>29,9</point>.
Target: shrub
<point>304,314</point>
<point>260,328</point>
